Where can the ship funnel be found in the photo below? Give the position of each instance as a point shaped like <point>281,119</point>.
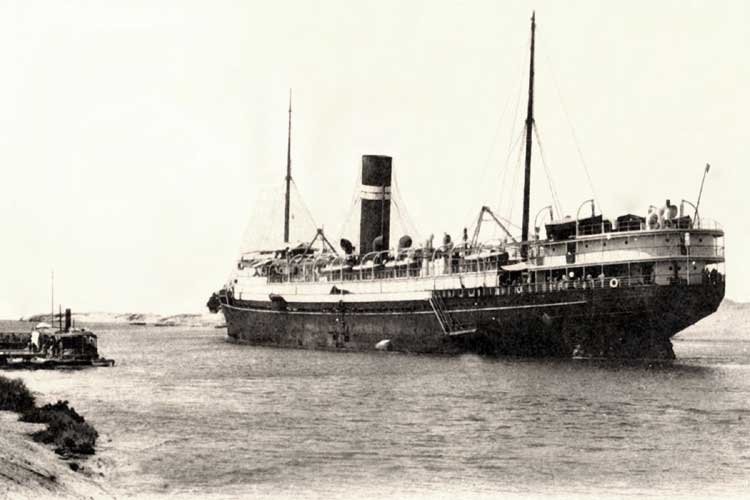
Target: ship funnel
<point>375,197</point>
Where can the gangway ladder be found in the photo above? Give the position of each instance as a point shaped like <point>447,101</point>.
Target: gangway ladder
<point>448,324</point>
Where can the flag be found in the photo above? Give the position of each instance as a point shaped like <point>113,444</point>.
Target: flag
<point>708,167</point>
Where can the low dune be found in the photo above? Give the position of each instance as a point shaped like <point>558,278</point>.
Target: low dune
<point>730,322</point>
<point>150,319</point>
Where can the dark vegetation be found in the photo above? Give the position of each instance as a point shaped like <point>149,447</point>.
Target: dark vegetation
<point>15,396</point>
<point>66,430</point>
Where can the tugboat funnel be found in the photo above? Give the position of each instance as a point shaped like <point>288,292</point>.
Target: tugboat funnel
<point>68,321</point>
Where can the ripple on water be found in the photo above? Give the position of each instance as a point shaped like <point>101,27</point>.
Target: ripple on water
<point>264,421</point>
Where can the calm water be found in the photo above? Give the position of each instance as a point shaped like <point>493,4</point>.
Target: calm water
<point>185,413</point>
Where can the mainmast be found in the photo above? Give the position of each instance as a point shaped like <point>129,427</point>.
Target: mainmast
<point>529,126</point>
<point>288,171</point>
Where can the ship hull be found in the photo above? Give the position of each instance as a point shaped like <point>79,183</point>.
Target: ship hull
<point>627,322</point>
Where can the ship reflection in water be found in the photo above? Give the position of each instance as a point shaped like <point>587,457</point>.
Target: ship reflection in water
<point>224,420</point>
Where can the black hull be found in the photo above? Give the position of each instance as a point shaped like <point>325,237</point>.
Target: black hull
<point>629,322</point>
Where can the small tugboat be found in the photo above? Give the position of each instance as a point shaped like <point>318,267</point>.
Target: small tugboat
<point>44,347</point>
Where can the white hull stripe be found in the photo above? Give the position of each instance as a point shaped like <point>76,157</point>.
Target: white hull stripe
<point>401,313</point>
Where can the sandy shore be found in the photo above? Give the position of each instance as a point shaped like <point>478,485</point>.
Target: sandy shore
<point>31,470</point>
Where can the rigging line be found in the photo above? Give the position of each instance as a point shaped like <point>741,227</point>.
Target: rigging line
<point>311,219</point>
<point>501,117</point>
<point>407,216</point>
<point>352,206</point>
<point>572,130</point>
<point>515,179</point>
<point>516,226</point>
<point>507,159</point>
<point>261,236</point>
<point>521,80</point>
<point>399,215</point>
<point>348,217</point>
<point>550,182</point>
<point>511,142</point>
<point>401,219</point>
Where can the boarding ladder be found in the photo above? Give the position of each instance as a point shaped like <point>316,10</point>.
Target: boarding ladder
<point>447,322</point>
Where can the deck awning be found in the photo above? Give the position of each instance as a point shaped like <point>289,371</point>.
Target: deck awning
<point>518,266</point>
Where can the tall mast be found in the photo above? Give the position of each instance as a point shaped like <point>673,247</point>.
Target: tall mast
<point>288,171</point>
<point>529,126</point>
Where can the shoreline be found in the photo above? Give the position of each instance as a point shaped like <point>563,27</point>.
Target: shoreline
<point>45,451</point>
<point>33,470</point>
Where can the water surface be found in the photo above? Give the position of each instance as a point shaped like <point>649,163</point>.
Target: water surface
<point>186,413</point>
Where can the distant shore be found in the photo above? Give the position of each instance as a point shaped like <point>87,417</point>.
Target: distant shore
<point>730,322</point>
<point>139,319</point>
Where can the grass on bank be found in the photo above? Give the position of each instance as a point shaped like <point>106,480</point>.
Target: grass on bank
<point>66,430</point>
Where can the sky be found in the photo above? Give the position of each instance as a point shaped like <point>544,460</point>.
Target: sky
<point>139,140</point>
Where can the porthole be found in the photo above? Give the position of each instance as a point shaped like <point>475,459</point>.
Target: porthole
<point>667,240</point>
<point>700,240</point>
<point>670,268</point>
<point>604,244</point>
<point>587,245</point>
<point>626,242</point>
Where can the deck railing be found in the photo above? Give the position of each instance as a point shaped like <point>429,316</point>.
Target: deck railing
<point>600,282</point>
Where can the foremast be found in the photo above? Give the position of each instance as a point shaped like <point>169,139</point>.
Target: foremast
<point>288,178</point>
<point>527,170</point>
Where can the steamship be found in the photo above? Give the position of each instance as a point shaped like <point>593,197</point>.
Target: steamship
<point>591,287</point>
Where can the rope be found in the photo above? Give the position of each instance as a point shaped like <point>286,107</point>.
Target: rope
<point>352,205</point>
<point>268,203</point>
<point>515,180</point>
<point>405,218</point>
<point>573,132</point>
<point>496,134</point>
<point>512,143</point>
<point>507,159</point>
<point>304,207</point>
<point>553,191</point>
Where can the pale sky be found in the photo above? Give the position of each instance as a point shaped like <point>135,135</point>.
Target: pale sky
<point>136,137</point>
